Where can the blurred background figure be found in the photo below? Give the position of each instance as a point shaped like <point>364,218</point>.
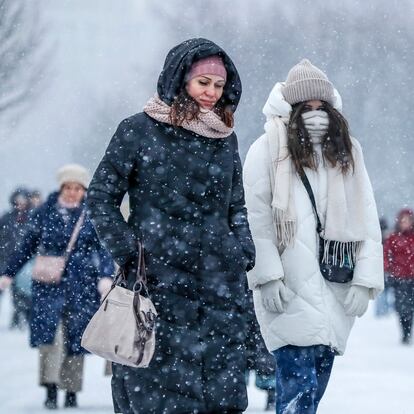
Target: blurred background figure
<point>61,311</point>
<point>13,225</point>
<point>399,262</point>
<point>384,303</point>
<point>35,198</point>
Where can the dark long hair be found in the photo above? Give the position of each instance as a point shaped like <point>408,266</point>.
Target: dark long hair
<point>336,143</point>
<point>184,107</point>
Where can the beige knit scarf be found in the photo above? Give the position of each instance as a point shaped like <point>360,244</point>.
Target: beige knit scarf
<point>350,201</point>
<point>208,124</point>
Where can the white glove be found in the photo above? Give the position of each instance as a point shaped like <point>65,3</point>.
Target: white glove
<point>5,282</point>
<point>274,294</point>
<point>356,301</point>
<point>104,286</point>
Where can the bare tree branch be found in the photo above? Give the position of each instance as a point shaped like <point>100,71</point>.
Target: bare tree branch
<point>23,54</point>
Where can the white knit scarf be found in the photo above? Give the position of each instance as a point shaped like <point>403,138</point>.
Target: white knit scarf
<point>208,123</point>
<point>348,220</point>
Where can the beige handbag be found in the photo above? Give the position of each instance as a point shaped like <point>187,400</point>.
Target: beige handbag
<point>123,328</point>
<point>49,269</point>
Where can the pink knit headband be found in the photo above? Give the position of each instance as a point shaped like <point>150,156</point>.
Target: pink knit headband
<point>212,65</point>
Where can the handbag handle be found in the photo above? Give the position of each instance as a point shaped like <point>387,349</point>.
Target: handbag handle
<point>308,188</point>
<point>141,278</point>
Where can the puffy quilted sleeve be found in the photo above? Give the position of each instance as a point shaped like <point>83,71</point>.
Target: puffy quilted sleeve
<point>258,193</point>
<point>106,191</point>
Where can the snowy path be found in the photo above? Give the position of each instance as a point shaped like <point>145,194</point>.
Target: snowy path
<point>376,376</point>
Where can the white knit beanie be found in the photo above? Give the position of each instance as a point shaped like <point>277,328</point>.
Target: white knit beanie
<point>305,82</point>
<point>73,173</point>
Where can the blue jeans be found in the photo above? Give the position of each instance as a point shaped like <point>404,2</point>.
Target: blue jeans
<point>302,374</point>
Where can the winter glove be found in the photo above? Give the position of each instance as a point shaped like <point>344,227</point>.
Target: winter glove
<point>356,301</point>
<point>5,282</point>
<point>104,286</point>
<point>274,296</point>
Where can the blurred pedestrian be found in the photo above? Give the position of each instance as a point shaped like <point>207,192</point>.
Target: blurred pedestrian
<point>384,303</point>
<point>13,225</point>
<point>307,152</point>
<point>62,310</point>
<point>35,198</point>
<point>179,162</point>
<point>399,262</point>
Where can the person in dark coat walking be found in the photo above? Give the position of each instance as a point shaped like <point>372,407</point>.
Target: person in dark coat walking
<point>399,262</point>
<point>12,227</point>
<point>60,312</point>
<point>179,162</point>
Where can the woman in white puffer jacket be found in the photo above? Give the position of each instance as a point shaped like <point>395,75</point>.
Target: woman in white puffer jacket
<point>305,319</point>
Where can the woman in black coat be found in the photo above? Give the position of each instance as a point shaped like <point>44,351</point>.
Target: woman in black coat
<point>179,162</point>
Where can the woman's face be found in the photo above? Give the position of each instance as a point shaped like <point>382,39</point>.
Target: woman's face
<point>72,193</point>
<point>206,90</point>
<point>313,105</point>
<point>406,222</point>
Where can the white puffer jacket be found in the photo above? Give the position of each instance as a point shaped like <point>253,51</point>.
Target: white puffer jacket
<point>315,312</point>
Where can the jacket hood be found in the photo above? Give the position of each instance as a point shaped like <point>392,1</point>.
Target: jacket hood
<point>23,192</point>
<point>276,104</point>
<point>178,62</point>
<point>405,212</point>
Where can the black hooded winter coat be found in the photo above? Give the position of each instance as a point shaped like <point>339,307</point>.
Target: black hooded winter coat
<point>187,206</point>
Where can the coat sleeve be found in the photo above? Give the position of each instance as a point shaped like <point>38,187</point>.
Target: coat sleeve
<point>258,191</point>
<point>389,253</point>
<point>28,244</point>
<point>106,263</point>
<point>3,242</point>
<point>238,213</point>
<point>106,191</point>
<point>369,267</point>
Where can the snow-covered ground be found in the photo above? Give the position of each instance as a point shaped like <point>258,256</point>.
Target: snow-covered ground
<point>376,376</point>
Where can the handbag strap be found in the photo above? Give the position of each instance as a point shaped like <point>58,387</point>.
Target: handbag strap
<point>75,235</point>
<point>141,278</point>
<point>308,188</point>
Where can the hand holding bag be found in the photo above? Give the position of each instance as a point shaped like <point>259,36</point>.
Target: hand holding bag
<point>49,269</point>
<point>336,259</point>
<point>123,328</point>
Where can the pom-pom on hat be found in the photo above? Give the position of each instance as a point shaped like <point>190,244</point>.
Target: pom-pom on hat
<point>306,82</point>
<point>73,173</point>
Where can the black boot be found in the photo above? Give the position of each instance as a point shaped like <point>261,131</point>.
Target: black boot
<point>70,400</point>
<point>51,396</point>
<point>271,400</point>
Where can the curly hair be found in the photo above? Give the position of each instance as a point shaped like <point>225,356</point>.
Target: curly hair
<point>184,107</point>
<point>336,143</point>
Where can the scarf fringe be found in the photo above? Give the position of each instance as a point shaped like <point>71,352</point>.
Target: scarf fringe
<point>349,210</point>
<point>285,228</point>
<point>341,252</point>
